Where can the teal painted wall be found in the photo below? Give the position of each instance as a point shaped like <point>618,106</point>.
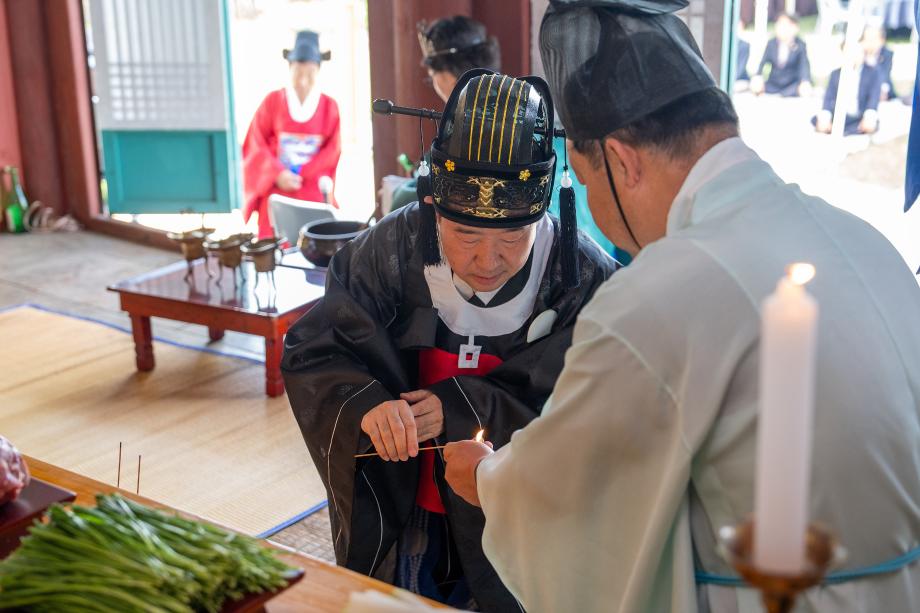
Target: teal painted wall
<point>168,171</point>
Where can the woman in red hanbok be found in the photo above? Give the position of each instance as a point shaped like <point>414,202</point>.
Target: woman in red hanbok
<point>293,140</point>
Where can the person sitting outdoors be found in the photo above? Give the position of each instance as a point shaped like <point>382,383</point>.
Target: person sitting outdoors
<point>878,54</point>
<point>787,56</point>
<point>860,96</point>
<point>743,56</point>
<point>293,140</point>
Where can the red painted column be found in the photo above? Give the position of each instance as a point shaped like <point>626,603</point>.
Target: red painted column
<point>509,22</point>
<point>9,131</point>
<point>33,92</point>
<point>46,62</point>
<point>72,108</point>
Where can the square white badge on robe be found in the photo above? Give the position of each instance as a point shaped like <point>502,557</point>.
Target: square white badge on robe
<point>469,354</point>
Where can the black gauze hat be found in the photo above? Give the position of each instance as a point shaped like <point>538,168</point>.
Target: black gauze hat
<point>492,162</point>
<point>610,63</point>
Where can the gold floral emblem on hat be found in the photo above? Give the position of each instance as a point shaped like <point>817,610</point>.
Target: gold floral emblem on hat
<point>525,174</point>
<point>449,165</point>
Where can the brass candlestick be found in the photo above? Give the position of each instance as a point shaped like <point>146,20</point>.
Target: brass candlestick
<point>779,592</point>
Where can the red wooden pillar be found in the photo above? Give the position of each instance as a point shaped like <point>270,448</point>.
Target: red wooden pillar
<point>72,108</point>
<point>509,22</point>
<point>52,109</point>
<point>9,131</point>
<point>33,93</point>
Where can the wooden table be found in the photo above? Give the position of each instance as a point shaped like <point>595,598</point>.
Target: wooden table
<point>221,303</point>
<point>324,587</point>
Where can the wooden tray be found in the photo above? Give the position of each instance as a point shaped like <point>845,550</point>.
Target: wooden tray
<point>18,515</point>
<point>256,602</point>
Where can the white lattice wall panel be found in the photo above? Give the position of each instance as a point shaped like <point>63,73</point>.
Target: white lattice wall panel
<point>159,64</point>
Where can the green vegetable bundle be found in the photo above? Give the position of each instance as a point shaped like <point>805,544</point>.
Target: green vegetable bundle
<point>123,556</point>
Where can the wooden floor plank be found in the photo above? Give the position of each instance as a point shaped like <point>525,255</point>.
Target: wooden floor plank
<point>211,441</point>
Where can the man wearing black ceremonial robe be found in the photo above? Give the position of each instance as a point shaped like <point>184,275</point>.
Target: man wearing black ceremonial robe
<point>414,326</point>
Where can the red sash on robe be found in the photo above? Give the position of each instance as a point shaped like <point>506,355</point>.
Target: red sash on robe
<point>435,365</point>
<point>316,144</point>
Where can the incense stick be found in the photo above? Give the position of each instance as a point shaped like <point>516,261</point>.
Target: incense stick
<point>477,438</point>
<point>138,491</point>
<point>374,455</point>
<point>118,478</point>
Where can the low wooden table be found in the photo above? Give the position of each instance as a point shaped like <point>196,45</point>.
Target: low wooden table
<point>324,587</point>
<point>191,295</point>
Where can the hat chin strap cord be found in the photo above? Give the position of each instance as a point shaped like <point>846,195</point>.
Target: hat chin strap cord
<point>616,198</point>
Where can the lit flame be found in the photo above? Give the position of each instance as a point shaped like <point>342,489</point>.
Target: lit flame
<point>800,273</point>
<point>479,436</point>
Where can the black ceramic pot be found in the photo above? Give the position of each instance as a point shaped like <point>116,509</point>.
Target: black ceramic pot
<point>319,240</point>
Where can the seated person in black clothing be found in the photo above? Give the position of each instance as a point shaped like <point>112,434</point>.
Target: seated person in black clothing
<point>860,98</point>
<point>790,71</point>
<point>874,42</point>
<point>743,57</point>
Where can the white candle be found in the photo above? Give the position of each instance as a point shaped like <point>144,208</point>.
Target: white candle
<point>784,430</point>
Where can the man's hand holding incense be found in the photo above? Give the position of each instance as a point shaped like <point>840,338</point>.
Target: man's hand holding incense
<point>428,412</point>
<point>462,459</point>
<point>391,426</point>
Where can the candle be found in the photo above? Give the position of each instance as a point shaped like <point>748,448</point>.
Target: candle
<point>784,431</point>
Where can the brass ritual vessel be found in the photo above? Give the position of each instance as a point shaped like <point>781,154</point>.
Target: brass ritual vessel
<point>192,244</point>
<point>779,592</point>
<point>262,253</point>
<point>229,253</point>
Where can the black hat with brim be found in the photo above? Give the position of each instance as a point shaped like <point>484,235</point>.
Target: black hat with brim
<point>306,49</point>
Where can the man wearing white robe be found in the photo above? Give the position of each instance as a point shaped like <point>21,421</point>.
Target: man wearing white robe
<point>612,499</point>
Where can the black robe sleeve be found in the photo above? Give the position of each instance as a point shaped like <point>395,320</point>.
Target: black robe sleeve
<point>340,362</point>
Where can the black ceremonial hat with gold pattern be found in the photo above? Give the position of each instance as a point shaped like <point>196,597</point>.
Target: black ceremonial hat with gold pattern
<point>492,162</point>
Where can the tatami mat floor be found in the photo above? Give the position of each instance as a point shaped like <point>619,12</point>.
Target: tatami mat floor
<point>69,272</point>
